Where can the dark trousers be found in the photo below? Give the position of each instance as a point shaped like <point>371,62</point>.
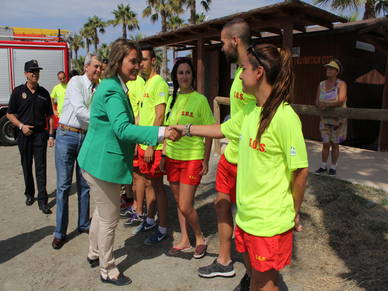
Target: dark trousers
<point>34,147</point>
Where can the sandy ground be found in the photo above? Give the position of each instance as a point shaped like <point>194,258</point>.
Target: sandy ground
<point>344,245</point>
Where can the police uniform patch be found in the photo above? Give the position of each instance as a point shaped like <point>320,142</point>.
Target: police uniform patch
<point>24,95</point>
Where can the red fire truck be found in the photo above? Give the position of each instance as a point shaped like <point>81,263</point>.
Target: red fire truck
<point>19,45</point>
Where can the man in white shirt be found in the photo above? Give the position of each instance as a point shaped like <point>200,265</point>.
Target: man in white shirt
<point>71,132</point>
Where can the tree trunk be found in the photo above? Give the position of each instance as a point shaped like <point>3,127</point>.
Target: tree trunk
<point>370,11</point>
<point>87,46</point>
<point>95,46</point>
<point>193,12</point>
<point>76,54</point>
<point>164,58</point>
<point>124,30</point>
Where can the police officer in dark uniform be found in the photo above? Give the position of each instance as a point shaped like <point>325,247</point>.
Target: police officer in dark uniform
<point>29,110</point>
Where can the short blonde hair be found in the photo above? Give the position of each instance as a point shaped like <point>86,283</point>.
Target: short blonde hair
<point>119,50</point>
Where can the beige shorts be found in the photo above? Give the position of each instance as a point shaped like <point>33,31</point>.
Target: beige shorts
<point>333,133</point>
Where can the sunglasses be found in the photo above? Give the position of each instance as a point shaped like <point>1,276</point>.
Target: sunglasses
<point>251,50</point>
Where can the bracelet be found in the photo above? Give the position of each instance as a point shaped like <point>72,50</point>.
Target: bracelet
<point>51,135</point>
<point>187,129</point>
<point>21,126</point>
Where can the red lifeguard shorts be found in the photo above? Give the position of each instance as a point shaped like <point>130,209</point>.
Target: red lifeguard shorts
<point>265,253</point>
<point>186,172</point>
<point>151,170</point>
<point>226,178</point>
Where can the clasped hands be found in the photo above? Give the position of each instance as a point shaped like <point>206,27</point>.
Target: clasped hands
<point>174,132</point>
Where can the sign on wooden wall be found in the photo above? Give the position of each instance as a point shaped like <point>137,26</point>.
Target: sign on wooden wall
<point>313,60</point>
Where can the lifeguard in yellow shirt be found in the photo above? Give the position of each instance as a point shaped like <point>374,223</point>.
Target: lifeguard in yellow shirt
<point>188,159</point>
<point>152,112</point>
<point>272,165</point>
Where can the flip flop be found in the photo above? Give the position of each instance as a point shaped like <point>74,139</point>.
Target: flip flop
<point>175,250</point>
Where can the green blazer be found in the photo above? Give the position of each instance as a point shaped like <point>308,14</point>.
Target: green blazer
<point>107,151</point>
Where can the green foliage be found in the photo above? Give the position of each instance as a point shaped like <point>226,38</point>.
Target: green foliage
<point>78,64</point>
<point>372,7</point>
<point>95,25</point>
<point>103,51</point>
<point>126,17</point>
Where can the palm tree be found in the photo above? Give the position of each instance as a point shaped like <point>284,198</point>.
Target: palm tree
<point>78,64</point>
<point>86,33</point>
<point>200,18</point>
<point>371,6</point>
<point>192,4</point>
<point>103,51</point>
<point>136,37</point>
<point>163,9</point>
<point>76,42</point>
<point>96,25</point>
<point>174,22</point>
<point>126,17</point>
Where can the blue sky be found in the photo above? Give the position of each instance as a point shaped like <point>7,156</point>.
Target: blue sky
<point>72,14</point>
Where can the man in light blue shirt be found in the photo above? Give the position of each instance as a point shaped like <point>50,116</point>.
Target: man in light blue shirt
<point>71,131</point>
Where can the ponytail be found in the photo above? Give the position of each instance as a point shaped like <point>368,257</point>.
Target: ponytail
<point>278,68</point>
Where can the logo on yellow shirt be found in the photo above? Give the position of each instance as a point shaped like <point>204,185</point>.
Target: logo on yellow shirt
<point>256,146</point>
<point>239,95</point>
<point>186,113</point>
<point>146,95</point>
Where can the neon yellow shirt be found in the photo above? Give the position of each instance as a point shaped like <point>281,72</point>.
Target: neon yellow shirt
<point>238,99</point>
<point>135,93</point>
<point>188,108</point>
<point>155,93</point>
<point>58,93</point>
<point>264,199</point>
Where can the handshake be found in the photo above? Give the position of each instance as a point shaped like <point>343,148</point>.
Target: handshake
<point>174,132</point>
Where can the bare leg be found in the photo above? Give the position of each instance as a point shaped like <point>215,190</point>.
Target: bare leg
<point>184,239</point>
<point>264,281</point>
<point>161,200</point>
<point>150,198</point>
<point>138,182</point>
<point>186,206</point>
<point>325,152</point>
<point>225,226</point>
<point>334,153</point>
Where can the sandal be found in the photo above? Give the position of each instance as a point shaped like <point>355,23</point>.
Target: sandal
<point>175,250</point>
<point>200,251</point>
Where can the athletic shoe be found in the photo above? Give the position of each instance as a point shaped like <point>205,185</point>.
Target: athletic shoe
<point>332,172</point>
<point>144,226</point>
<point>321,170</point>
<point>244,284</point>
<point>133,220</point>
<point>156,238</point>
<point>126,212</point>
<point>216,269</point>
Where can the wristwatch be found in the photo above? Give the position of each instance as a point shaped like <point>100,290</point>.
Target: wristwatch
<point>187,129</point>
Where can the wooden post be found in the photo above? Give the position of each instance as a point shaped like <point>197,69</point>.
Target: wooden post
<point>288,36</point>
<point>200,67</point>
<point>383,135</point>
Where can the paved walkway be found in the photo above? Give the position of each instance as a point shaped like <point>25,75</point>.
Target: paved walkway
<point>355,165</point>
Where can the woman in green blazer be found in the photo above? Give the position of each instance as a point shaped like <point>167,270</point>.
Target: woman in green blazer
<point>106,155</point>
